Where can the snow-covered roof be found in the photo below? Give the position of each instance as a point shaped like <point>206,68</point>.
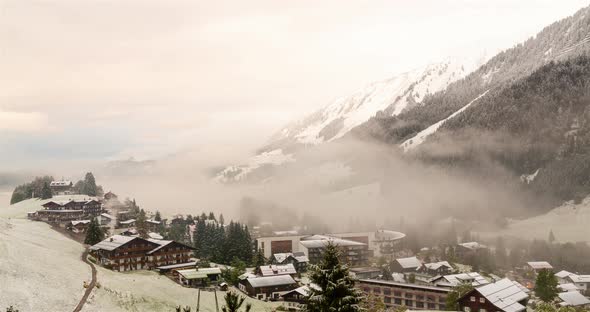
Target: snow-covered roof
<point>280,257</point>
<point>199,273</point>
<point>573,298</point>
<point>409,263</point>
<point>76,222</point>
<point>319,241</point>
<point>298,256</point>
<point>108,216</point>
<point>163,243</point>
<point>437,265</point>
<point>60,183</point>
<point>113,242</point>
<point>453,280</point>
<point>473,245</point>
<point>539,265</point>
<point>153,221</point>
<point>579,278</point>
<point>505,294</point>
<point>127,221</point>
<point>247,275</point>
<point>267,281</point>
<point>568,287</point>
<point>270,270</point>
<point>179,265</point>
<point>154,235</point>
<point>563,274</point>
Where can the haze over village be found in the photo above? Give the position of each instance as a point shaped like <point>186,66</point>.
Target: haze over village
<point>295,156</point>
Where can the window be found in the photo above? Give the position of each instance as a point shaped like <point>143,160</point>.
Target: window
<point>397,293</point>
<point>482,300</point>
<point>472,298</point>
<point>397,301</point>
<point>409,303</point>
<point>387,291</point>
<point>387,300</point>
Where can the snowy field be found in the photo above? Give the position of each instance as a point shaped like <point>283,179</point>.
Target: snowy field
<point>40,270</point>
<point>569,223</point>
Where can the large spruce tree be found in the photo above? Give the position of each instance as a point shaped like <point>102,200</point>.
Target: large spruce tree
<point>94,234</point>
<point>546,285</point>
<point>336,291</point>
<point>46,191</point>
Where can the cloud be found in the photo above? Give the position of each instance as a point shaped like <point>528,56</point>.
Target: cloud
<point>23,122</point>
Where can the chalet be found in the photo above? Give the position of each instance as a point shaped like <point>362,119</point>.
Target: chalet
<point>127,223</point>
<point>127,253</point>
<point>130,232</point>
<point>353,253</point>
<point>406,265</point>
<point>58,210</point>
<point>568,287</point>
<point>153,225</point>
<point>299,294</point>
<point>453,280</point>
<point>276,269</point>
<point>106,219</point>
<point>199,277</point>
<point>78,226</point>
<point>436,268</point>
<point>411,296</point>
<point>504,295</point>
<point>581,281</point>
<point>155,235</point>
<point>174,268</point>
<point>537,266</point>
<point>573,299</point>
<point>269,287</point>
<point>298,259</point>
<point>62,187</point>
<point>562,276</point>
<point>110,196</point>
<point>469,248</point>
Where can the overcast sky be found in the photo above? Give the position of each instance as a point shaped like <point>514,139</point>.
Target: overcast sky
<point>95,80</point>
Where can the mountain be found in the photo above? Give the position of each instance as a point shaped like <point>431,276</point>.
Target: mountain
<point>388,97</point>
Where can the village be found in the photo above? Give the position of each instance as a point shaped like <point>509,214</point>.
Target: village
<point>122,237</point>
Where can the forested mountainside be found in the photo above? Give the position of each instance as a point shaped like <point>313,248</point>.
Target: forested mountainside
<point>539,125</point>
<point>567,38</point>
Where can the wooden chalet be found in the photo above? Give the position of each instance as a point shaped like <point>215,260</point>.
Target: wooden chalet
<point>504,295</point>
<point>269,287</point>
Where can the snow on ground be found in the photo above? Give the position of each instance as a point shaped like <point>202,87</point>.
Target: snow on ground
<point>569,223</point>
<point>422,135</point>
<point>237,173</point>
<point>149,291</point>
<point>40,270</point>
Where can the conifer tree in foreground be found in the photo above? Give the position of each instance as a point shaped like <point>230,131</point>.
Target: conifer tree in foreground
<point>336,290</point>
<point>94,234</point>
<point>233,302</point>
<point>546,285</point>
<point>46,191</point>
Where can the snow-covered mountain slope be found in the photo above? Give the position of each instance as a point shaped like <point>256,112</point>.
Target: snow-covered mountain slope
<point>422,135</point>
<point>391,96</point>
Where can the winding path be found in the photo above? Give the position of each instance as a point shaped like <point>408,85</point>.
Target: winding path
<point>92,283</point>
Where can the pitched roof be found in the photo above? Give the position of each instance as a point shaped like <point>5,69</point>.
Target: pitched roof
<point>409,263</point>
<point>106,215</point>
<point>179,265</point>
<point>127,221</point>
<point>76,222</point>
<point>267,281</point>
<point>573,298</point>
<point>579,278</point>
<point>199,273</point>
<point>280,257</point>
<point>319,241</point>
<point>457,279</point>
<point>437,265</point>
<point>538,265</point>
<point>60,183</point>
<point>164,243</point>
<point>563,274</point>
<point>113,242</point>
<point>473,245</point>
<point>568,287</point>
<point>505,295</point>
<point>270,270</point>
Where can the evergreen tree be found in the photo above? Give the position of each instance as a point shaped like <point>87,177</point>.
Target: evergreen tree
<point>221,219</point>
<point>211,216</point>
<point>141,224</point>
<point>157,217</point>
<point>94,234</point>
<point>259,259</point>
<point>373,303</point>
<point>336,288</point>
<point>46,191</point>
<point>89,187</point>
<point>453,297</point>
<point>233,302</point>
<point>546,285</point>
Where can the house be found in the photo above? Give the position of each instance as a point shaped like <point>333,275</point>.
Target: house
<point>130,232</point>
<point>365,272</point>
<point>467,248</point>
<point>127,253</point>
<point>62,187</point>
<point>503,295</point>
<point>63,210</point>
<point>581,281</point>
<point>155,235</point>
<point>299,294</point>
<point>106,219</point>
<point>153,225</point>
<point>406,265</point>
<point>199,277</point>
<point>298,259</point>
<point>110,196</point>
<point>274,269</point>
<point>174,268</point>
<point>453,280</point>
<point>568,287</point>
<point>436,268</point>
<point>537,266</point>
<point>127,223</point>
<point>573,299</point>
<point>351,252</point>
<point>411,296</point>
<point>268,287</point>
<point>562,276</point>
<point>78,226</point>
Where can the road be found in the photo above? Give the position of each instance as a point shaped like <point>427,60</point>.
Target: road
<point>90,286</point>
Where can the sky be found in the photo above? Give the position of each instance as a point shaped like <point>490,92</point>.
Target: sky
<point>92,81</point>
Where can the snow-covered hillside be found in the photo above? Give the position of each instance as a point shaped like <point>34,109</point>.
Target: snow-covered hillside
<point>422,135</point>
<point>391,97</point>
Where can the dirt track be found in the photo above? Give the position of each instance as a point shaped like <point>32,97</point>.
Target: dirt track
<point>92,283</point>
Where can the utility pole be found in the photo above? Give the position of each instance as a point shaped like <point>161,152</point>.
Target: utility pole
<point>198,299</point>
<point>216,304</point>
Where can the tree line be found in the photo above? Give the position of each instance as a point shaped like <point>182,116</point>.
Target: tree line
<point>39,188</point>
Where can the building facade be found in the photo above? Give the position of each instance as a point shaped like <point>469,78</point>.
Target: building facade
<point>412,296</point>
